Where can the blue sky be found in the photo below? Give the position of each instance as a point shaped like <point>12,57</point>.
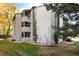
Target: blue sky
<point>22,6</point>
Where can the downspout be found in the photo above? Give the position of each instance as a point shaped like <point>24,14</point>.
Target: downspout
<point>34,27</point>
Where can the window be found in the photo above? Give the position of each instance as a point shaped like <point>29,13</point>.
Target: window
<point>23,24</point>
<point>22,34</point>
<point>25,34</point>
<point>26,24</point>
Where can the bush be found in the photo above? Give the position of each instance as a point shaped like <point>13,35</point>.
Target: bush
<point>56,37</point>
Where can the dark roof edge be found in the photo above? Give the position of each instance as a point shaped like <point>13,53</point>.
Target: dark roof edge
<point>37,6</point>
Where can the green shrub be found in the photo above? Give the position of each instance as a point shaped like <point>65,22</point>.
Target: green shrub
<point>56,35</point>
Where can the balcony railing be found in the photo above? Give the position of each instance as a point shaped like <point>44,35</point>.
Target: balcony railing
<point>25,18</point>
<point>27,29</point>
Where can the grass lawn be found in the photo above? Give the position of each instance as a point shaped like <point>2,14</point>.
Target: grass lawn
<point>62,50</point>
<point>8,48</point>
<point>17,49</point>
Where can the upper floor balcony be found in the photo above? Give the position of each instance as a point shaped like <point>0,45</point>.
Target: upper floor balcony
<point>26,18</point>
<point>26,29</point>
<point>26,26</point>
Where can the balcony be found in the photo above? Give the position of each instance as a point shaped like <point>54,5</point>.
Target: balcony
<point>26,18</point>
<point>26,38</point>
<point>26,29</point>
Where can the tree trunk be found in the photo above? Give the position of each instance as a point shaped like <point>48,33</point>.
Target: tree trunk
<point>4,32</point>
<point>8,30</point>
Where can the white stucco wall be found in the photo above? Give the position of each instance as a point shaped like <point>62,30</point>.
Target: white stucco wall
<point>31,26</point>
<point>43,23</point>
<point>17,27</point>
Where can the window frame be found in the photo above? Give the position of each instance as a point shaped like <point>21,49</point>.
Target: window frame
<point>26,34</point>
